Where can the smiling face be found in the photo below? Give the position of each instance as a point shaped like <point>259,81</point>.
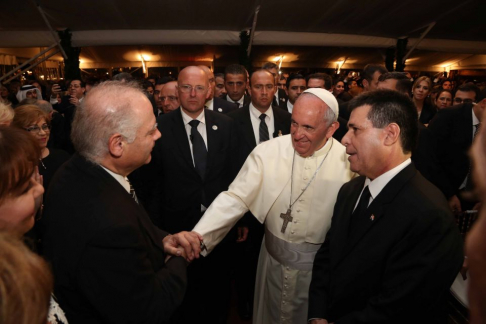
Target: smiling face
<point>339,88</point>
<point>17,211</point>
<point>44,132</point>
<point>363,143</point>
<point>308,129</point>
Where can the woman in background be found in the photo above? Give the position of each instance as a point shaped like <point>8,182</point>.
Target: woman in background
<point>20,199</point>
<point>443,99</point>
<point>420,90</point>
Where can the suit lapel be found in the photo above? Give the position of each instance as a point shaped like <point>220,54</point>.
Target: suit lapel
<point>213,139</point>
<point>247,126</point>
<point>278,122</point>
<point>378,207</point>
<point>467,113</point>
<point>181,140</point>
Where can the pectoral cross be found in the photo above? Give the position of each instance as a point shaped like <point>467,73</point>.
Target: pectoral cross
<point>287,218</point>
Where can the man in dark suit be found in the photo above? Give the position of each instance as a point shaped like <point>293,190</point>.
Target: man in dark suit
<point>215,103</point>
<point>393,250</point>
<point>295,85</point>
<point>110,262</point>
<point>280,95</point>
<point>194,161</point>
<point>454,129</point>
<point>255,123</point>
<point>235,82</point>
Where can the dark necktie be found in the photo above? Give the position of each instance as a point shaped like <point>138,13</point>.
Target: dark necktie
<point>237,103</point>
<point>198,149</point>
<point>358,216</point>
<point>132,192</point>
<point>263,129</point>
<point>469,181</point>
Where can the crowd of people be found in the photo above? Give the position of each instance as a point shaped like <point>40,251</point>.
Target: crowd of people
<point>325,199</point>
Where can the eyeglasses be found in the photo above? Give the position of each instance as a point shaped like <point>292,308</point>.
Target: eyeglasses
<point>460,100</point>
<point>188,88</point>
<point>36,129</point>
<point>170,98</point>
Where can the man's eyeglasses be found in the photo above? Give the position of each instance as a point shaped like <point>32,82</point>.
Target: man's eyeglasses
<point>188,88</point>
<point>460,100</point>
<point>36,129</point>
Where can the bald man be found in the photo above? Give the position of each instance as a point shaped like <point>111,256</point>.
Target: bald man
<point>169,99</point>
<point>195,162</point>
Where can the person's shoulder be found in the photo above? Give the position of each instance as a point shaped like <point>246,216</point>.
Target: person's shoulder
<point>277,110</point>
<point>239,112</point>
<point>218,117</point>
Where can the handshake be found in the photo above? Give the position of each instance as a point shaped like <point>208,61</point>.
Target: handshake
<point>185,244</point>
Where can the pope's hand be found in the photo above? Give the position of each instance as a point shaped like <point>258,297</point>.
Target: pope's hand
<point>186,244</point>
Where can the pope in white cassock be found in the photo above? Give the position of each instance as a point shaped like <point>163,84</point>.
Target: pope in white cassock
<point>290,184</point>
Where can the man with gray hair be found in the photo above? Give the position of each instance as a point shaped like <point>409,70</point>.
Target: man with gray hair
<point>290,184</point>
<point>110,262</point>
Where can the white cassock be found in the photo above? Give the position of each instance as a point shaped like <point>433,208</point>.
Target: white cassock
<point>263,186</point>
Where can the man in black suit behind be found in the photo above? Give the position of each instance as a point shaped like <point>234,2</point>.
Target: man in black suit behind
<point>193,162</point>
<point>257,122</point>
<point>235,82</point>
<point>109,260</point>
<point>215,103</point>
<point>454,129</point>
<point>393,250</point>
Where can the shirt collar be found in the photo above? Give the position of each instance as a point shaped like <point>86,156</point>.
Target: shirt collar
<point>290,107</point>
<point>475,120</point>
<point>186,118</point>
<point>377,185</point>
<point>256,113</point>
<point>121,179</point>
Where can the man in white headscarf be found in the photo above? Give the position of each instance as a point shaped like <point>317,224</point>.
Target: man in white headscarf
<point>28,91</point>
<point>290,184</point>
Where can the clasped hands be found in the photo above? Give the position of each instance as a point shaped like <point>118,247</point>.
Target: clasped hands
<point>185,244</point>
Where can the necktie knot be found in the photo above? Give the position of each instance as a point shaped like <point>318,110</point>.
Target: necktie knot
<point>194,123</point>
<point>262,117</point>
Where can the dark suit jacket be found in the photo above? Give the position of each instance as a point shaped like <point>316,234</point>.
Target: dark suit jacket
<point>106,255</point>
<point>178,188</point>
<point>283,105</point>
<point>246,100</point>
<point>282,97</point>
<point>428,112</point>
<point>245,129</point>
<point>397,268</point>
<point>452,129</point>
<point>223,106</point>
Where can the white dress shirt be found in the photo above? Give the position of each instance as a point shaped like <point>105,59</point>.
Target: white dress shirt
<point>255,122</point>
<point>377,185</point>
<point>121,179</point>
<point>201,128</point>
<point>290,107</point>
<point>239,102</point>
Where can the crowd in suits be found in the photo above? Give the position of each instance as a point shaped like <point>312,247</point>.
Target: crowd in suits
<point>109,211</point>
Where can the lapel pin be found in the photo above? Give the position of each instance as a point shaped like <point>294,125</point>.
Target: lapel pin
<point>215,127</point>
<point>279,133</point>
<point>372,217</point>
<point>220,109</point>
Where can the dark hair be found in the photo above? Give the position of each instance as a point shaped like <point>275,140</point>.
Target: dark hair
<point>389,106</point>
<point>19,155</point>
<point>370,69</point>
<point>81,82</point>
<point>469,87</point>
<point>219,75</point>
<point>235,69</point>
<point>322,76</point>
<point>443,90</point>
<point>294,76</point>
<point>92,81</point>
<point>164,80</point>
<point>404,85</point>
<point>269,65</point>
<point>147,84</point>
<point>446,80</point>
<point>123,76</point>
<point>265,71</point>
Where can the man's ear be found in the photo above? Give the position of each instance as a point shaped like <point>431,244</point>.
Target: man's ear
<point>392,134</point>
<point>116,144</point>
<point>332,128</point>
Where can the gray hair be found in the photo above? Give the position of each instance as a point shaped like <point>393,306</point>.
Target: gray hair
<point>329,115</point>
<point>44,105</point>
<point>106,110</point>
